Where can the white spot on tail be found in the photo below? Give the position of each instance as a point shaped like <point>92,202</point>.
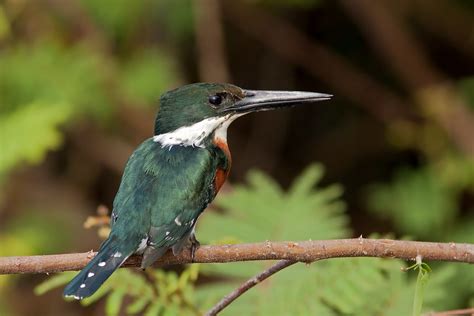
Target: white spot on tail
<point>167,233</point>
<point>177,221</point>
<point>142,245</point>
<point>90,274</point>
<point>117,254</point>
<point>83,285</point>
<point>101,264</point>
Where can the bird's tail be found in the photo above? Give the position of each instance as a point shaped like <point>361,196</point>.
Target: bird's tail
<point>110,257</point>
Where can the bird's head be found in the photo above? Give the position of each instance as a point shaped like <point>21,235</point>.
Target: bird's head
<point>196,111</point>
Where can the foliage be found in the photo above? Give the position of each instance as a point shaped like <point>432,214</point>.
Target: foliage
<point>50,84</point>
<point>29,132</point>
<point>423,202</point>
<point>47,73</point>
<point>44,87</point>
<point>262,210</point>
<point>416,202</point>
<point>116,16</point>
<point>138,71</point>
<point>103,64</point>
<point>24,236</point>
<point>157,293</point>
<point>41,88</point>
<point>424,271</point>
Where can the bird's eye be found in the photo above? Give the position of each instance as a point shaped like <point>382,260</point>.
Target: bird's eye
<point>215,99</point>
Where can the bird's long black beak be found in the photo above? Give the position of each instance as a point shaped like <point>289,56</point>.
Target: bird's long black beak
<point>260,100</point>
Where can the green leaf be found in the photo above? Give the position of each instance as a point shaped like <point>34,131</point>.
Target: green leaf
<point>177,18</point>
<point>117,17</point>
<point>416,202</point>
<point>54,282</point>
<point>304,184</point>
<point>147,75</point>
<point>259,211</point>
<point>114,302</point>
<point>263,211</point>
<point>105,289</point>
<point>38,228</point>
<point>138,305</point>
<point>449,286</point>
<point>29,132</point>
<point>172,310</point>
<point>154,309</point>
<point>422,279</point>
<point>47,73</point>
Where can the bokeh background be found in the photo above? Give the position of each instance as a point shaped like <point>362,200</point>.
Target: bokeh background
<point>80,82</point>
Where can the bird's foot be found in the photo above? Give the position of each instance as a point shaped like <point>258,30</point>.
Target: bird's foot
<point>195,244</point>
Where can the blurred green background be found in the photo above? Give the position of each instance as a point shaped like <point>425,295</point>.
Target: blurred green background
<point>80,82</point>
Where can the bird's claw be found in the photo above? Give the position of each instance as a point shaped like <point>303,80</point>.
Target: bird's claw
<point>195,244</point>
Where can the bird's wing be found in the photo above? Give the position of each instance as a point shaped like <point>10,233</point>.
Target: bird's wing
<point>163,191</point>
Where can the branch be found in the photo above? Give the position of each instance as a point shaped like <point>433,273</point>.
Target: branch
<point>443,19</point>
<point>302,251</point>
<point>210,42</point>
<point>226,300</point>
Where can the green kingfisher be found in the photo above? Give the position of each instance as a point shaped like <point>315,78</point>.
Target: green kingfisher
<point>171,177</point>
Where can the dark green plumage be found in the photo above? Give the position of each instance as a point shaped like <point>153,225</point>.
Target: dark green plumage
<point>171,178</point>
<point>165,190</point>
<point>162,193</point>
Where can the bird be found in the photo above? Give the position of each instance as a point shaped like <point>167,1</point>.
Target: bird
<point>172,176</point>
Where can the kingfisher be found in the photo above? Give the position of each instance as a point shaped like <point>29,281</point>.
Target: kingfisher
<point>171,177</point>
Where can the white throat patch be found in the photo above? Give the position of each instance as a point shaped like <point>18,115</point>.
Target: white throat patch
<point>194,135</point>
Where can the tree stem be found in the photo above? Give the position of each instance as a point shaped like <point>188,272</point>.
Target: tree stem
<point>302,251</point>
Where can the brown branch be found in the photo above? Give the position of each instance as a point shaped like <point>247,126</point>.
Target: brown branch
<point>210,42</point>
<point>302,251</point>
<point>226,300</point>
<point>443,19</point>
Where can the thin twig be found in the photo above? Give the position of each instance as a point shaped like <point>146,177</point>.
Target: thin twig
<point>226,300</point>
<point>303,251</point>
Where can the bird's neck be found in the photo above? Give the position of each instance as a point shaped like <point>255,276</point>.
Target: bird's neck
<point>200,134</point>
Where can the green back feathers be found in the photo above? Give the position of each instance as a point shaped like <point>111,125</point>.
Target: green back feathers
<point>159,182</point>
